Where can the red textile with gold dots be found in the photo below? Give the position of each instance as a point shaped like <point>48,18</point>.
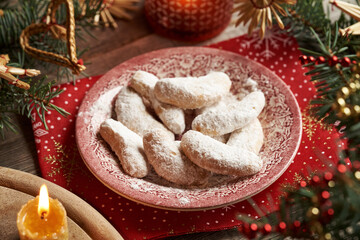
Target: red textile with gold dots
<point>61,163</point>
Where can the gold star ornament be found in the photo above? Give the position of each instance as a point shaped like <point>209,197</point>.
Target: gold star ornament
<point>260,12</point>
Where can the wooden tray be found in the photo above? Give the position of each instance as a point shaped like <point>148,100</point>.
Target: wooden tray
<point>17,187</point>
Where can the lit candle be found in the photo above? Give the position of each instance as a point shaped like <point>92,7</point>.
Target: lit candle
<point>42,218</point>
<point>189,20</point>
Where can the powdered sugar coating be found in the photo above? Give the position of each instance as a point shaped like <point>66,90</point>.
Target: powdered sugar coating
<point>172,117</point>
<point>169,162</point>
<point>128,147</point>
<point>222,138</point>
<point>218,157</point>
<point>193,92</point>
<point>131,111</point>
<point>225,100</point>
<point>143,83</point>
<point>250,137</point>
<point>233,116</point>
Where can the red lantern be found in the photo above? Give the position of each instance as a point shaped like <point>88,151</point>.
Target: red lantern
<point>188,20</point>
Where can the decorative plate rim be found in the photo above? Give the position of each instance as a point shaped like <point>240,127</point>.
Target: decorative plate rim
<point>121,188</point>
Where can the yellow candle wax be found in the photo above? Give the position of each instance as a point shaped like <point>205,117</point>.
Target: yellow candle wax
<point>40,223</point>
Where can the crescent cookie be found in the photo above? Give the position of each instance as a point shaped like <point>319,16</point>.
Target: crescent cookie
<point>172,117</point>
<point>131,111</point>
<point>218,157</point>
<point>166,157</point>
<point>234,116</point>
<point>222,138</point>
<point>225,100</point>
<point>193,92</point>
<point>250,137</point>
<point>143,83</point>
<point>127,145</point>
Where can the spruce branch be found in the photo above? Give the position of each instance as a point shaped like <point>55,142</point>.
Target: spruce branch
<point>310,14</point>
<point>324,207</point>
<point>330,79</point>
<point>18,16</point>
<point>302,16</point>
<point>327,207</point>
<point>24,102</point>
<point>304,22</point>
<point>14,19</point>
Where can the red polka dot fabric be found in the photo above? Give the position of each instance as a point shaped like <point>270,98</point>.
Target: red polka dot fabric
<point>61,163</point>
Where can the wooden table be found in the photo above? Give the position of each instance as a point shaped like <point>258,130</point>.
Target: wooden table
<point>112,47</point>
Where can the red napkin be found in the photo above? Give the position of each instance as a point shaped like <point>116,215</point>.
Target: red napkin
<point>61,163</point>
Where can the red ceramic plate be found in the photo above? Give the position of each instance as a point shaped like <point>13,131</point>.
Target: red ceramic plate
<point>280,119</point>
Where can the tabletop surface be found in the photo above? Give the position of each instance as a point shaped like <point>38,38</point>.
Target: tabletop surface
<point>110,48</point>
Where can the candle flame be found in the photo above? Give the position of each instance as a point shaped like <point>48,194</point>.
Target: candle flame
<point>43,207</point>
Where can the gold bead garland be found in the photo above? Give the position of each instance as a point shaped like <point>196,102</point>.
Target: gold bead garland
<point>343,108</point>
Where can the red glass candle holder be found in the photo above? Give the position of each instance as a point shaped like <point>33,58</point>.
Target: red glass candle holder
<point>188,20</point>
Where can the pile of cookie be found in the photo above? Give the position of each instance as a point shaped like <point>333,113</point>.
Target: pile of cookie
<point>225,136</point>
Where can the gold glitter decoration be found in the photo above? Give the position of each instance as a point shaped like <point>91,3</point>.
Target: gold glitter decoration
<point>65,162</point>
<point>294,184</point>
<point>311,123</point>
<point>298,178</point>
